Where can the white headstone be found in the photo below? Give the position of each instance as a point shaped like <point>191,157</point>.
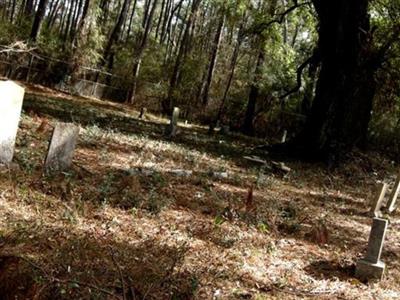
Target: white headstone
<point>173,125</point>
<point>284,137</point>
<point>11,99</point>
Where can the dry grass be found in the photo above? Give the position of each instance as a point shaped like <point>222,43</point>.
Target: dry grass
<point>127,222</point>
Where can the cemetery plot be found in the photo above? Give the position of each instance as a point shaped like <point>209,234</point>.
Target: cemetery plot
<point>205,212</point>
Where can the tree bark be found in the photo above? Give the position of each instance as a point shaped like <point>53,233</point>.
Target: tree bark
<point>169,102</point>
<point>38,19</point>
<point>28,9</point>
<point>341,110</point>
<point>232,69</point>
<point>131,19</point>
<point>140,52</point>
<point>213,60</point>
<point>248,126</point>
<point>108,56</point>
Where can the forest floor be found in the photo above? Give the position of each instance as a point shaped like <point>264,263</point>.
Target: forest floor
<point>141,216</point>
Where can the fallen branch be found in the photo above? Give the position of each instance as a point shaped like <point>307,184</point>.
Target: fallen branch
<point>17,47</point>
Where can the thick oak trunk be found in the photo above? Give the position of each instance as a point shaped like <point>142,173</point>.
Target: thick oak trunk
<point>341,110</point>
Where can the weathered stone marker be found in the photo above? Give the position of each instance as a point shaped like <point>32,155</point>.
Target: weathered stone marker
<point>378,200</point>
<point>284,137</point>
<point>173,126</point>
<point>371,267</point>
<point>62,146</point>
<point>11,98</point>
<point>391,207</point>
<point>143,112</point>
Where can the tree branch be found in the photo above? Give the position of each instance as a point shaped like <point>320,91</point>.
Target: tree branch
<point>382,51</point>
<point>280,17</point>
<point>313,59</point>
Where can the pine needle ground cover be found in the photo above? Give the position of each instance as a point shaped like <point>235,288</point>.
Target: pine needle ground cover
<point>140,216</point>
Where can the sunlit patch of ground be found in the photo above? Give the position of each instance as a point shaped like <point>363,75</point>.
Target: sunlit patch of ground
<point>140,216</point>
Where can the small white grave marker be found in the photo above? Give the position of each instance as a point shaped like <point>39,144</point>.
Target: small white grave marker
<point>11,98</point>
<point>391,207</point>
<point>173,126</point>
<point>284,137</point>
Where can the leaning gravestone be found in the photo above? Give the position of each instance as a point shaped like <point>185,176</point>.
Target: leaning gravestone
<point>11,98</point>
<point>173,126</point>
<point>378,200</point>
<point>371,267</point>
<point>62,146</point>
<point>391,207</point>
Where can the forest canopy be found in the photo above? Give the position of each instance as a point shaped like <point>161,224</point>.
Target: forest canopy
<point>316,70</point>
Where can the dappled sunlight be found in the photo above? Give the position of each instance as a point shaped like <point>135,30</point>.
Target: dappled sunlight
<point>130,203</point>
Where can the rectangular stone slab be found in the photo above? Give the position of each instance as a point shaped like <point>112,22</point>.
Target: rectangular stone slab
<point>11,98</point>
<point>366,271</point>
<point>376,240</point>
<point>62,147</point>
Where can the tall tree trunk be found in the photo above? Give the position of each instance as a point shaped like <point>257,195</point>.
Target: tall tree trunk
<point>248,126</point>
<point>131,19</point>
<point>341,110</point>
<point>38,19</point>
<point>69,19</point>
<point>53,13</point>
<point>232,69</point>
<point>140,52</point>
<point>75,22</point>
<point>28,7</point>
<point>108,56</point>
<point>77,41</point>
<point>12,13</point>
<point>167,30</point>
<point>145,12</point>
<point>169,101</point>
<point>213,60</point>
<point>163,7</point>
